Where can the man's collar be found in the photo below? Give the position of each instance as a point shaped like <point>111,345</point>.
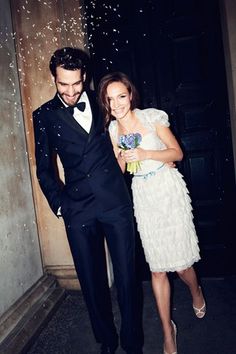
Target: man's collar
<point>83,97</point>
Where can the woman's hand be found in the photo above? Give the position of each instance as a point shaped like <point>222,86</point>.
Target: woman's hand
<point>137,154</point>
<point>171,164</point>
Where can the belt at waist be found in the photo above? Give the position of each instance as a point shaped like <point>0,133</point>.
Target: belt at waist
<point>149,174</point>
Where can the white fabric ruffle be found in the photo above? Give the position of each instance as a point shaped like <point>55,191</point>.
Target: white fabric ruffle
<point>162,205</point>
<point>164,217</point>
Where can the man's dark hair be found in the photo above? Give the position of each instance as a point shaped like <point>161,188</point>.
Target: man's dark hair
<point>70,59</point>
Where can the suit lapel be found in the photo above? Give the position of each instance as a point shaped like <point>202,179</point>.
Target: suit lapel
<point>66,116</point>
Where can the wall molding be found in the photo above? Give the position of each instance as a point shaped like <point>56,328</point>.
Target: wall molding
<point>24,320</point>
<point>66,276</point>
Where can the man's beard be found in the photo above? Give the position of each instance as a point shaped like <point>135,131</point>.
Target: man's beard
<point>68,104</point>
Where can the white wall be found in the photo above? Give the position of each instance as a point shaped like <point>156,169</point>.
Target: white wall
<point>20,260</point>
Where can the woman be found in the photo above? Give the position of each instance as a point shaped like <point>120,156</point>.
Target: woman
<point>162,205</point>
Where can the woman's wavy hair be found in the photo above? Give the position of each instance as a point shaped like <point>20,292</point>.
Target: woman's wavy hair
<point>102,93</point>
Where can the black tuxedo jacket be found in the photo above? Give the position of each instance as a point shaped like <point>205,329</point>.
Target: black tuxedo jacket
<point>90,167</point>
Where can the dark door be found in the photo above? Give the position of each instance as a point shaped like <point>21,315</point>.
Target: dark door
<point>173,52</point>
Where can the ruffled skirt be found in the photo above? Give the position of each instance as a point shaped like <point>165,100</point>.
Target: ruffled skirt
<point>163,212</point>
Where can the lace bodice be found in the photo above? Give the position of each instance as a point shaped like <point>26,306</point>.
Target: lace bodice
<point>149,118</point>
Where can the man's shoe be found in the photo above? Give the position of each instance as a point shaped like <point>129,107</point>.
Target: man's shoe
<point>105,349</point>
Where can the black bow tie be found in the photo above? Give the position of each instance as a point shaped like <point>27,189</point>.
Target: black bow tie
<point>79,105</point>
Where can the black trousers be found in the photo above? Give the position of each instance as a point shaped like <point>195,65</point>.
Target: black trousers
<point>86,231</point>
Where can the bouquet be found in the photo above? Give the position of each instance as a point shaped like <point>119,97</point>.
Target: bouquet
<point>131,141</point>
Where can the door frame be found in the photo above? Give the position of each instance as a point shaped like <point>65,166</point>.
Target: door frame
<point>228,20</point>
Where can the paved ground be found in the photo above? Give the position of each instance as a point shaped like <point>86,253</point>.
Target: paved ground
<point>69,332</point>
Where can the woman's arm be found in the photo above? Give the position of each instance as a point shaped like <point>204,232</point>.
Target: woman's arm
<point>172,152</point>
<point>118,154</point>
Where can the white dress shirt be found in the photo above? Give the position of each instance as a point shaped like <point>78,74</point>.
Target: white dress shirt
<point>83,118</point>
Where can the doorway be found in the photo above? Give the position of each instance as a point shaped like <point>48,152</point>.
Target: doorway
<point>173,52</point>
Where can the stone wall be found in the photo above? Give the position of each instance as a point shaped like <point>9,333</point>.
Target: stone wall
<point>20,257</point>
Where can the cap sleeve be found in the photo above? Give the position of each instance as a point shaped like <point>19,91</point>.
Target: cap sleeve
<point>158,117</point>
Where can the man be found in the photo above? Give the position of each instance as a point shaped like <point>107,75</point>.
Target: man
<point>94,200</point>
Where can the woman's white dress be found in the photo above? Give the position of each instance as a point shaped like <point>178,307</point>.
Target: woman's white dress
<point>162,205</point>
